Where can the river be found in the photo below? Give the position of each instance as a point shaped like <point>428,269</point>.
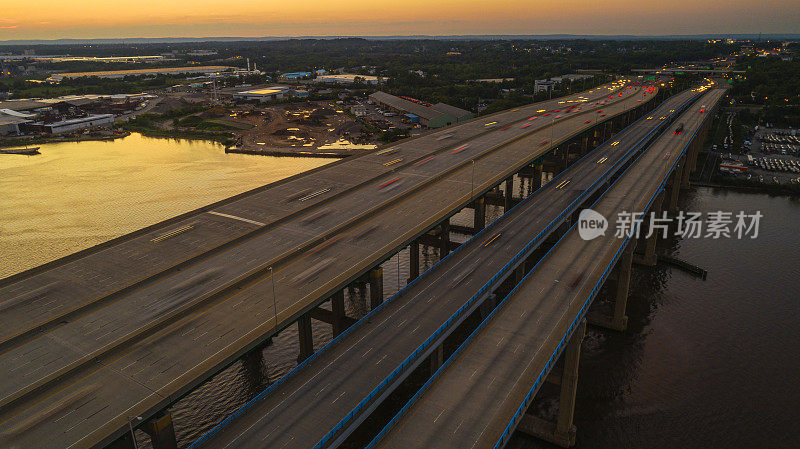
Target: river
<point>703,364</point>
<point>77,194</point>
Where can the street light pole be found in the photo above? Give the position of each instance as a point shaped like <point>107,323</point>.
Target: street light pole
<point>472,184</point>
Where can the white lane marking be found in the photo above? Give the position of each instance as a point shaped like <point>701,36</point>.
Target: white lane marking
<point>339,397</point>
<point>257,223</point>
<point>312,195</point>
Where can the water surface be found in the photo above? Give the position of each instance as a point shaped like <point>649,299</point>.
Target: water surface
<point>78,194</point>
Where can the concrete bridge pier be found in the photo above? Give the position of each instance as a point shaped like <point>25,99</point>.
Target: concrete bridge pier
<point>536,179</point>
<point>437,358</point>
<point>495,197</point>
<point>336,317</point>
<point>161,431</point>
<point>413,260</point>
<point>687,166</point>
<point>376,285</point>
<point>439,237</point>
<point>487,306</point>
<point>675,187</point>
<point>562,431</point>
<point>306,337</point>
<point>648,258</point>
<point>620,285</point>
<point>479,217</point>
<point>444,236</point>
<point>509,194</point>
<point>696,146</point>
<point>534,173</point>
<point>584,143</point>
<point>596,137</point>
<point>520,272</point>
<point>338,314</point>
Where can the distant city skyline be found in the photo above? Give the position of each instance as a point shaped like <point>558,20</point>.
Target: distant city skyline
<point>94,19</point>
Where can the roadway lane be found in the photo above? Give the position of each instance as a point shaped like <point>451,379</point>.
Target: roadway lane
<point>316,398</point>
<point>476,395</point>
<point>163,339</point>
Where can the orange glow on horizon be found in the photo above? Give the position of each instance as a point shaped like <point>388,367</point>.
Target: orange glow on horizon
<point>52,19</point>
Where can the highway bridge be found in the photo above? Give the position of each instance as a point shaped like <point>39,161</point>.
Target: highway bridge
<point>320,403</point>
<point>692,70</point>
<point>127,328</point>
<point>482,393</point>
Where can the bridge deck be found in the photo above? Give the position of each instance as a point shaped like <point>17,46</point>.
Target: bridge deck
<point>314,400</point>
<point>475,396</point>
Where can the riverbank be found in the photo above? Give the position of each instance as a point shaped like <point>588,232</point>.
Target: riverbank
<point>291,152</point>
<point>96,137</point>
<point>224,138</point>
<point>749,185</point>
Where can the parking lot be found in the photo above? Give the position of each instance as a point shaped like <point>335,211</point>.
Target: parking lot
<point>772,156</point>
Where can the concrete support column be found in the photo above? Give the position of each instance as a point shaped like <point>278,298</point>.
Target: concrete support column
<point>675,189</point>
<point>487,306</point>
<point>618,321</point>
<point>687,169</point>
<point>562,431</point>
<point>649,257</point>
<point>376,286</point>
<point>569,385</point>
<point>537,176</point>
<point>444,238</point>
<point>520,272</point>
<point>509,196</point>
<point>306,337</point>
<point>479,220</point>
<point>339,318</point>
<point>437,358</point>
<point>162,432</point>
<point>413,260</point>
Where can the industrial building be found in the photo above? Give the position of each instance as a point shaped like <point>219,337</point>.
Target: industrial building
<point>9,124</point>
<point>433,116</point>
<point>296,75</point>
<point>203,70</point>
<point>570,77</point>
<point>24,105</point>
<point>548,85</point>
<point>263,95</point>
<point>543,86</point>
<point>349,79</point>
<point>76,124</point>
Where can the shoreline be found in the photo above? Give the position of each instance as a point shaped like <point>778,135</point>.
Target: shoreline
<point>326,154</point>
<point>771,189</point>
<point>49,140</point>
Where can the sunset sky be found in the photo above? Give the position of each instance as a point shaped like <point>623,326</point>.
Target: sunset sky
<point>54,19</point>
